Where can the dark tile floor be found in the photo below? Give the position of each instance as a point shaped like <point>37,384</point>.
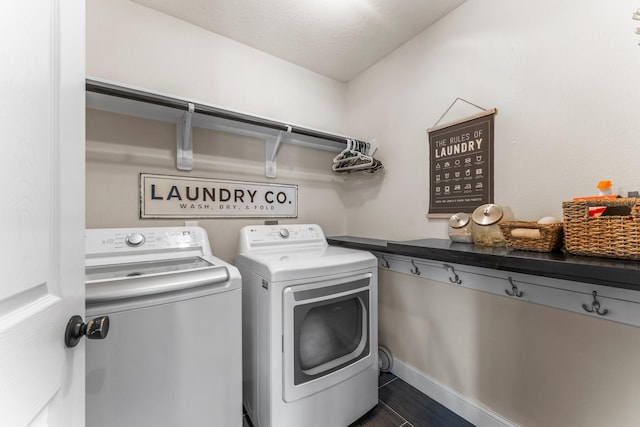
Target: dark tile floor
<point>401,405</point>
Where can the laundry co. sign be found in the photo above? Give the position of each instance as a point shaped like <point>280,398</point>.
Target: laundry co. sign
<point>166,196</point>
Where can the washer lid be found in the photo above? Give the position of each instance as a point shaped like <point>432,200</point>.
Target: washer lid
<point>133,269</point>
<point>487,214</point>
<point>201,277</point>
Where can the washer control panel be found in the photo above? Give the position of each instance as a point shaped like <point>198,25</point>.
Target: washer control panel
<point>115,240</point>
<point>276,235</point>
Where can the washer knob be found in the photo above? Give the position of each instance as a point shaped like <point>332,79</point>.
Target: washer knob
<point>134,239</point>
<point>284,233</point>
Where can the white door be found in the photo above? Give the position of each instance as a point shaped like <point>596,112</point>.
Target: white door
<point>42,211</point>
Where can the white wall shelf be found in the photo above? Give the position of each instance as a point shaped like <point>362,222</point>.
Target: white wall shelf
<point>186,114</point>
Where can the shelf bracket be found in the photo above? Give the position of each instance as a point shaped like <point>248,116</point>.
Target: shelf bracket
<point>271,147</point>
<point>184,157</point>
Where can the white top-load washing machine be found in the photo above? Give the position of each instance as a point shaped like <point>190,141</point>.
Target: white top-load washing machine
<point>310,328</point>
<point>173,354</point>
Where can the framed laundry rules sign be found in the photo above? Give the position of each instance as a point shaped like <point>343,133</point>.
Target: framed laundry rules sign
<point>461,165</point>
<point>168,196</point>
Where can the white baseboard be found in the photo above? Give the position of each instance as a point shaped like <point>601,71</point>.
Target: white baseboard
<point>451,399</point>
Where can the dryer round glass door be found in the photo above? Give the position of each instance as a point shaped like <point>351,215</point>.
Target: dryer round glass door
<point>326,333</point>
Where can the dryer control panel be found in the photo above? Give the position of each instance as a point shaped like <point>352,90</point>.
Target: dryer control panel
<point>265,236</point>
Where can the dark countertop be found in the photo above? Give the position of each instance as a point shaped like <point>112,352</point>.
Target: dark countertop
<point>601,271</point>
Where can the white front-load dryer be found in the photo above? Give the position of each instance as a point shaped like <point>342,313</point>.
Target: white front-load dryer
<point>310,328</point>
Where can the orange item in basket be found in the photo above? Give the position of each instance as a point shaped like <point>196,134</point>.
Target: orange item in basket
<point>604,185</point>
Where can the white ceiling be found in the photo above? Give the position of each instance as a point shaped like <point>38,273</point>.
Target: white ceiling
<point>335,38</point>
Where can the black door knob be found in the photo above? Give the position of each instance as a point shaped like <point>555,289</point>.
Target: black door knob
<point>94,329</point>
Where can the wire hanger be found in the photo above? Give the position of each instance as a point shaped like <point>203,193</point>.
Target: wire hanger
<point>356,157</point>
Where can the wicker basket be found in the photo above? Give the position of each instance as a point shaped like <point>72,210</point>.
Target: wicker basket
<point>614,236</point>
<point>550,236</point>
